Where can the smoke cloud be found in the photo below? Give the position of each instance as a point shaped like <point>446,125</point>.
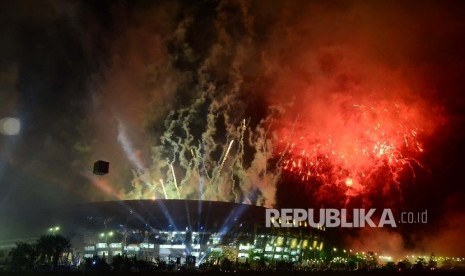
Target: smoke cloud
<point>200,99</point>
<point>254,74</point>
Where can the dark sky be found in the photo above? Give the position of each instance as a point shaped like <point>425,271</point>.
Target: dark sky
<point>86,77</point>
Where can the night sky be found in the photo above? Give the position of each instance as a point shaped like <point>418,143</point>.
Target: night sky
<point>94,80</point>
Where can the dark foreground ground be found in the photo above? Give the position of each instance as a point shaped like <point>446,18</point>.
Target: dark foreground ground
<point>316,273</point>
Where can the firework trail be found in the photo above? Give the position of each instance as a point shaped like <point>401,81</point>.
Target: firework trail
<point>201,125</point>
<point>163,187</point>
<point>175,181</point>
<point>202,177</point>
<point>225,156</point>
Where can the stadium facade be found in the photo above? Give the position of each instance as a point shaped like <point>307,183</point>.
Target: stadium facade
<point>190,231</point>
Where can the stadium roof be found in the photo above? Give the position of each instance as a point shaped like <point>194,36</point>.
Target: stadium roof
<point>168,215</point>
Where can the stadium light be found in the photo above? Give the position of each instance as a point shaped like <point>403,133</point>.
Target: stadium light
<point>53,230</point>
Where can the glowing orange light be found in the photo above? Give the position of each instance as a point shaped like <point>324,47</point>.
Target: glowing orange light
<point>349,182</point>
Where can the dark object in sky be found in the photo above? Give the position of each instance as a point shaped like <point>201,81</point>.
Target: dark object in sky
<point>101,167</point>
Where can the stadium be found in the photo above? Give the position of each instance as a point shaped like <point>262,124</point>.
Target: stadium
<point>186,232</point>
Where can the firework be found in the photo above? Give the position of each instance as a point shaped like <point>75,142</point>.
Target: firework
<point>341,149</point>
<point>226,155</point>
<point>346,153</point>
<point>175,181</point>
<point>163,187</point>
<point>197,164</point>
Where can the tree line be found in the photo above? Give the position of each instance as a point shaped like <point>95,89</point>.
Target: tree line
<point>43,254</point>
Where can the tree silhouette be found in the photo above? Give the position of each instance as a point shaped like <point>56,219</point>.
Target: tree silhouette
<point>122,263</point>
<point>420,264</point>
<point>50,247</point>
<point>23,257</point>
<point>432,263</point>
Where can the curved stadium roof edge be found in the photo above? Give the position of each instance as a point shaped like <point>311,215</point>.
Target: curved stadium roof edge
<point>172,214</point>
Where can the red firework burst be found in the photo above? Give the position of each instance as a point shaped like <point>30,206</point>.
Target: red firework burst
<point>354,144</point>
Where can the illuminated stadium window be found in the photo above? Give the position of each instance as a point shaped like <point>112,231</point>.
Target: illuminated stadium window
<point>101,253</point>
<point>305,244</point>
<point>279,241</point>
<point>268,248</point>
<point>244,247</point>
<point>173,246</point>
<point>89,248</point>
<point>101,245</point>
<point>88,255</point>
<point>294,243</point>
<point>115,245</point>
<point>132,248</point>
<point>116,253</point>
<point>147,245</point>
<point>279,249</point>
